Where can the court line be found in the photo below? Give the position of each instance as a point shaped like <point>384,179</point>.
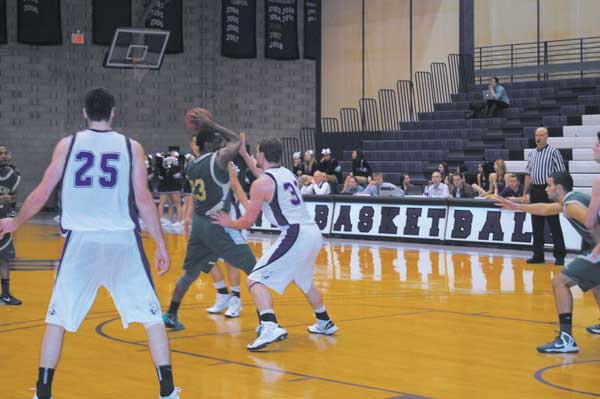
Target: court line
<point>100,331</point>
<point>539,377</point>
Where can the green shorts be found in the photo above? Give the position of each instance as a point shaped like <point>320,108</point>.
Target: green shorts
<point>210,242</point>
<point>7,248</point>
<point>585,271</point>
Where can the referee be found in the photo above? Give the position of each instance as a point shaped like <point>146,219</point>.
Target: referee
<point>543,162</point>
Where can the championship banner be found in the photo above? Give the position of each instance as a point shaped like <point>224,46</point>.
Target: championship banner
<point>168,15</point>
<point>107,16</point>
<point>312,29</point>
<point>421,222</point>
<point>322,212</point>
<point>238,28</point>
<point>38,22</point>
<point>281,29</point>
<point>499,226</point>
<point>3,32</point>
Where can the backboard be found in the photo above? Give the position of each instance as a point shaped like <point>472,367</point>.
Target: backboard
<point>137,48</point>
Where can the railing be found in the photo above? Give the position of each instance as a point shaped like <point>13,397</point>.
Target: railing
<point>542,61</point>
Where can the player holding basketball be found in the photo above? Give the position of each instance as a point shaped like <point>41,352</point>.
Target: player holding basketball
<point>104,184</point>
<point>584,271</point>
<point>217,147</point>
<point>292,257</point>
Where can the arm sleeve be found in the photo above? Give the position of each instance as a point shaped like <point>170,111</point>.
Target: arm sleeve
<point>559,163</point>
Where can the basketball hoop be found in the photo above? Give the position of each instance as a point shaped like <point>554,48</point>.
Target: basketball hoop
<point>139,68</point>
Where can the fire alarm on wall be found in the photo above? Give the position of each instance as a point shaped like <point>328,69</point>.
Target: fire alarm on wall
<point>77,38</point>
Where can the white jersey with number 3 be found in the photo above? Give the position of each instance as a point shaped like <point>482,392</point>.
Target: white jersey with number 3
<point>96,191</point>
<point>286,207</point>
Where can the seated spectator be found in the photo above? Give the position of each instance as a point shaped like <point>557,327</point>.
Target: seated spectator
<point>377,187</point>
<point>461,189</point>
<point>482,184</point>
<point>331,167</point>
<point>405,183</point>
<point>499,98</point>
<point>317,185</point>
<point>353,186</point>
<point>513,190</point>
<point>443,169</point>
<point>498,179</point>
<point>297,166</point>
<point>308,166</point>
<point>361,170</point>
<point>437,189</point>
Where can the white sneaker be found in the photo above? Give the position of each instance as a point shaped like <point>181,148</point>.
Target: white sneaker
<point>234,307</point>
<point>174,395</point>
<point>328,329</point>
<point>165,221</point>
<point>221,303</point>
<point>269,333</point>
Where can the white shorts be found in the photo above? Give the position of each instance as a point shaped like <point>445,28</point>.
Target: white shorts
<point>113,259</point>
<point>291,258</point>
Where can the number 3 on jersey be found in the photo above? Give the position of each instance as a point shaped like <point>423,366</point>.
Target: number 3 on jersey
<point>199,190</point>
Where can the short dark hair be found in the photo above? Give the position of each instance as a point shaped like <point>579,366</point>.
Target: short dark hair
<point>99,103</point>
<point>272,148</point>
<point>459,175</point>
<point>564,179</point>
<point>496,79</point>
<point>209,141</point>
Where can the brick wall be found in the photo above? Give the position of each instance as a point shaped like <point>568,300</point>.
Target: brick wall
<point>42,88</point>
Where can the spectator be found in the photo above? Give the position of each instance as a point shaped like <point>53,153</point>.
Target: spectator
<point>297,164</point>
<point>482,184</point>
<point>377,187</point>
<point>330,167</point>
<point>461,190</point>
<point>437,189</point>
<point>360,169</point>
<point>514,190</point>
<point>353,186</point>
<point>405,184</point>
<point>498,179</point>
<point>443,169</point>
<point>309,167</point>
<point>498,100</point>
<point>317,185</point>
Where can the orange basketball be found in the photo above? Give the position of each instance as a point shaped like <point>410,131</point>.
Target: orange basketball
<point>190,116</point>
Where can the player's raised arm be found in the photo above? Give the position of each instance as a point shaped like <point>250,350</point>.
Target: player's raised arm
<point>202,121</point>
<point>261,191</point>
<point>39,196</point>
<point>534,209</point>
<point>145,205</point>
<point>236,187</point>
<point>251,162</point>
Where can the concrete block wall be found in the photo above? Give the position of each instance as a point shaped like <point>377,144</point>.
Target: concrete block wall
<point>42,88</point>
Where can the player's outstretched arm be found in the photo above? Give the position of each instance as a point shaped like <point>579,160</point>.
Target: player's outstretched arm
<point>256,171</point>
<point>260,191</point>
<point>147,209</point>
<point>39,196</point>
<point>594,208</point>
<point>236,187</point>
<point>538,209</point>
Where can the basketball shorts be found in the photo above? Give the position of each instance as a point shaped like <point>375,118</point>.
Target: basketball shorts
<point>209,242</point>
<point>585,271</point>
<point>7,248</point>
<point>113,259</point>
<point>291,259</point>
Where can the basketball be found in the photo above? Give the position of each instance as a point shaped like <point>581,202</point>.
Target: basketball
<point>192,115</point>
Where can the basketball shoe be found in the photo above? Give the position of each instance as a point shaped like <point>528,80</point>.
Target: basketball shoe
<point>221,303</point>
<point>172,322</point>
<point>595,329</point>
<point>564,343</point>
<point>234,307</point>
<point>325,328</point>
<point>269,333</point>
<point>174,395</point>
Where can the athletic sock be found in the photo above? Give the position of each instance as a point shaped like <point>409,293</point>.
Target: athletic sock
<point>44,383</point>
<point>322,316</point>
<point>566,322</point>
<point>268,315</point>
<point>5,287</point>
<point>173,308</point>
<point>165,377</point>
<point>221,287</point>
<point>236,291</point>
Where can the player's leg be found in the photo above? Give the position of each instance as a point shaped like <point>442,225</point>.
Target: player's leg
<point>234,307</point>
<point>6,297</point>
<point>222,296</point>
<point>595,329</point>
<point>324,325</point>
<point>162,199</point>
<point>159,349</point>
<point>171,203</point>
<point>178,207</point>
<point>49,357</point>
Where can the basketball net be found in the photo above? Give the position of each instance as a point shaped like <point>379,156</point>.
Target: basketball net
<point>139,69</point>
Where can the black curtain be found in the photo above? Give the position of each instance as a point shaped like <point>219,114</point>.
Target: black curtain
<point>107,16</point>
<point>168,15</point>
<point>312,29</point>
<point>3,33</point>
<point>39,22</point>
<point>281,29</point>
<point>238,29</point>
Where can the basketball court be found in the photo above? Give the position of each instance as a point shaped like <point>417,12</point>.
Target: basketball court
<point>415,322</point>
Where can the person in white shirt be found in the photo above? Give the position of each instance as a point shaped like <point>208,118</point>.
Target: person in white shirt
<point>437,189</point>
<point>317,185</point>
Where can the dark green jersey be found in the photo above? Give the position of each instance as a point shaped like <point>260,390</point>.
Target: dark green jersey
<point>583,199</point>
<point>210,184</point>
<point>9,180</point>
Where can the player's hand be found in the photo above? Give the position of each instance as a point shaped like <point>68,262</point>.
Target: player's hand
<point>223,219</point>
<point>243,150</point>
<point>524,199</point>
<point>7,225</point>
<point>200,121</point>
<point>506,204</point>
<point>162,260</point>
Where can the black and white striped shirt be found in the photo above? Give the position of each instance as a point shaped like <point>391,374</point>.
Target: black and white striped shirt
<point>542,163</point>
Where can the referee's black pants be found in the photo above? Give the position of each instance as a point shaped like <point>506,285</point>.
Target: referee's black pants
<point>538,195</point>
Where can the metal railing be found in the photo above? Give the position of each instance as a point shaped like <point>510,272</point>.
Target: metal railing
<point>545,60</point>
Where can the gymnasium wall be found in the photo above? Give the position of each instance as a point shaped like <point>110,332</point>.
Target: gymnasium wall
<point>42,88</point>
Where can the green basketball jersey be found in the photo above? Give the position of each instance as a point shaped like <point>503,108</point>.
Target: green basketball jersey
<point>583,199</point>
<point>210,184</point>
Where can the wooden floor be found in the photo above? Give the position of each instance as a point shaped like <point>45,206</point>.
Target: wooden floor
<point>415,322</point>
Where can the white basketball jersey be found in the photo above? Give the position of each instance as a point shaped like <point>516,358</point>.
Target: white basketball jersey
<point>287,206</point>
<point>96,191</point>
